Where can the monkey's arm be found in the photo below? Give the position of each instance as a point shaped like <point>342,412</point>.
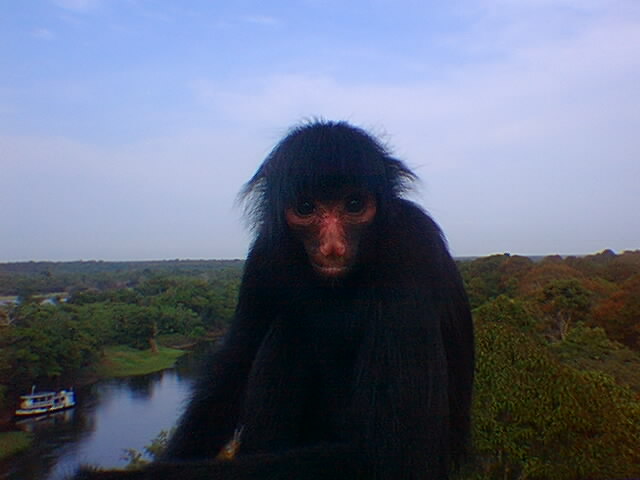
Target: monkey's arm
<point>212,413</point>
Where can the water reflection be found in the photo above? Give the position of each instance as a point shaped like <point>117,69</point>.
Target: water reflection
<point>43,422</point>
<point>110,416</point>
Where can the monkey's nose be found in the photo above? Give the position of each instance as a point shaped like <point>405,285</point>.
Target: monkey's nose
<point>333,248</point>
<point>332,241</point>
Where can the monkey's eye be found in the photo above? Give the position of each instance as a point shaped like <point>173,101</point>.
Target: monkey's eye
<point>354,204</point>
<point>305,208</point>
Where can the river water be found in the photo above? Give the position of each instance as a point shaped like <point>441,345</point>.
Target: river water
<point>110,416</point>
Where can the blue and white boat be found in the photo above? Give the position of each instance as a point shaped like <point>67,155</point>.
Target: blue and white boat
<point>40,403</point>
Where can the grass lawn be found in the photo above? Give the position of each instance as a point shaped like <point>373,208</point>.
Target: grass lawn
<point>121,361</point>
<point>13,442</point>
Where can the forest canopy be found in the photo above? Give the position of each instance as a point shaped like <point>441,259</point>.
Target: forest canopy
<point>557,393</point>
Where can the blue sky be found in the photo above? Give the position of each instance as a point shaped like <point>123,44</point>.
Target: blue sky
<point>127,127</point>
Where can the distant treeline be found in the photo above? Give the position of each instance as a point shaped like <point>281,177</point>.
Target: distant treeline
<point>26,278</point>
<point>43,277</point>
<point>601,290</point>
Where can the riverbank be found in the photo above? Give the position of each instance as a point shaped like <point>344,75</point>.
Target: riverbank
<point>121,361</point>
<point>118,361</point>
<point>13,442</point>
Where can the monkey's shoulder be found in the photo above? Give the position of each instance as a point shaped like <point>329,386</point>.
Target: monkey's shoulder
<point>412,232</point>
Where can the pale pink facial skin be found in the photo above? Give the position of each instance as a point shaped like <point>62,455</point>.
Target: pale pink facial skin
<point>331,230</point>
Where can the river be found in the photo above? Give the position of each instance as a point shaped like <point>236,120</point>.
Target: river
<point>110,416</point>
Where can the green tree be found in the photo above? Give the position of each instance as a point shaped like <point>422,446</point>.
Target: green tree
<point>508,311</point>
<point>176,319</point>
<point>47,343</point>
<point>563,302</point>
<point>482,278</point>
<point>587,348</point>
<point>535,418</point>
<point>135,325</point>
<point>619,313</point>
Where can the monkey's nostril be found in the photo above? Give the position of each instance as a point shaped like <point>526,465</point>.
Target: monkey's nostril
<point>335,248</point>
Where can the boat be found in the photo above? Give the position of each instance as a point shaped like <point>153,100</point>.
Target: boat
<point>39,403</point>
<point>35,423</point>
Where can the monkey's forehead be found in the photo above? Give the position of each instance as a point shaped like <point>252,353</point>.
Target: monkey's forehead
<point>331,187</point>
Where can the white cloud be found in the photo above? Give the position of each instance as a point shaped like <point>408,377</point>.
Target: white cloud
<point>263,20</point>
<point>77,5</point>
<point>43,34</point>
<point>538,89</point>
<point>524,151</point>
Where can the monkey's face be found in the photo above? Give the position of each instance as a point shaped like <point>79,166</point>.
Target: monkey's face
<point>331,230</point>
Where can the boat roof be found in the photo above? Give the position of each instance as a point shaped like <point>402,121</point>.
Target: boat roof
<point>39,394</point>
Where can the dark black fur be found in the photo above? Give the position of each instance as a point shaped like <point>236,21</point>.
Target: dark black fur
<point>369,377</point>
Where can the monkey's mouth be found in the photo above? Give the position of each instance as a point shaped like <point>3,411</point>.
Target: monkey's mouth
<point>330,271</point>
